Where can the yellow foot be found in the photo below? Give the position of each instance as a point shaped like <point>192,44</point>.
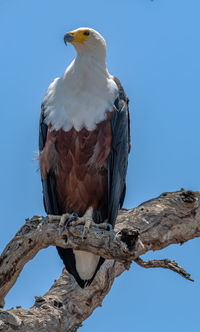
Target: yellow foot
<point>65,220</point>
<point>87,225</point>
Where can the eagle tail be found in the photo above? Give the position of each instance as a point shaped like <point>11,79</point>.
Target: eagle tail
<point>82,265</point>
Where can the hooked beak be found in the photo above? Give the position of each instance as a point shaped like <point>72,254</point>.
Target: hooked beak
<point>68,38</point>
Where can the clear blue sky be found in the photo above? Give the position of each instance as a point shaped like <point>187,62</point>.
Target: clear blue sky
<point>154,49</point>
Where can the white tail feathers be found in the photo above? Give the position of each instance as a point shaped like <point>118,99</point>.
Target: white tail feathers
<point>86,264</point>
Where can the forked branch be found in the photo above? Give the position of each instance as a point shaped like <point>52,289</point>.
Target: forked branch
<point>170,218</point>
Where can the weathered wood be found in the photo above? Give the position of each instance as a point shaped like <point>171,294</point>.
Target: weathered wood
<point>165,264</point>
<point>170,218</point>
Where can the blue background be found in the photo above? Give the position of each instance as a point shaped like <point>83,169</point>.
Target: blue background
<point>153,47</point>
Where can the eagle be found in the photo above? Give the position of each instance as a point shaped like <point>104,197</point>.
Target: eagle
<point>84,141</point>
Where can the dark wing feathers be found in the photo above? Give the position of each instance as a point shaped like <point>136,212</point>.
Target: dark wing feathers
<point>49,183</point>
<point>42,130</point>
<point>118,158</point>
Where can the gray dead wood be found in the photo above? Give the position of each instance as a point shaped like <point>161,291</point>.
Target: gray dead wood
<point>170,218</point>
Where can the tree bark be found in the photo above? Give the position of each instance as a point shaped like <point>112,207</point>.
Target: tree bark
<point>170,218</point>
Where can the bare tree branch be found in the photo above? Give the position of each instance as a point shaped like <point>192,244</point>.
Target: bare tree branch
<point>165,264</point>
<point>170,218</point>
<point>64,306</point>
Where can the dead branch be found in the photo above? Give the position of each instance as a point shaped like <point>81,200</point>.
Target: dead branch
<point>170,218</point>
<point>165,264</point>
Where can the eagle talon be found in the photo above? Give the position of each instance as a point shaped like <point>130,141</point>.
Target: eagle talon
<point>105,226</point>
<point>109,227</point>
<point>65,221</point>
<point>73,218</point>
<point>45,220</point>
<point>75,214</point>
<point>59,229</point>
<point>86,229</point>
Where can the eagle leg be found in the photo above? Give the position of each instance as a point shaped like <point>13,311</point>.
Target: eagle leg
<point>87,217</point>
<point>86,228</point>
<point>66,219</point>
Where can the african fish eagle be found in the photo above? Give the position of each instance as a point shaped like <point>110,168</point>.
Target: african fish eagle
<point>84,141</point>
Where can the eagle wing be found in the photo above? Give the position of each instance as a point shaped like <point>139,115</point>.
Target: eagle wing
<point>118,157</point>
<point>49,181</point>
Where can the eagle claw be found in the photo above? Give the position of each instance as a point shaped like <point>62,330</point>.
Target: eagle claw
<point>65,220</point>
<point>74,217</point>
<point>86,228</point>
<point>109,227</point>
<point>45,220</point>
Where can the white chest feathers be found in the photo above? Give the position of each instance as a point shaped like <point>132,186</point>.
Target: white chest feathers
<point>80,98</point>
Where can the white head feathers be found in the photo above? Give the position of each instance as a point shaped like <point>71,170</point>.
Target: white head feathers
<point>86,91</point>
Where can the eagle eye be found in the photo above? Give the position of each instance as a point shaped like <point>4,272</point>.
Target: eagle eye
<point>86,33</point>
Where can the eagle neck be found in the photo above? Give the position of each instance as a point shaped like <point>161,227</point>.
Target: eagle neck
<point>87,66</point>
<point>82,97</point>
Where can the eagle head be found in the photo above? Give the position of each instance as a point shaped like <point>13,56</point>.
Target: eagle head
<point>86,40</point>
